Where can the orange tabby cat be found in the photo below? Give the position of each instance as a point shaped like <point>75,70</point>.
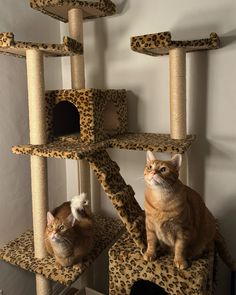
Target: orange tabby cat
<point>69,231</point>
<point>176,216</point>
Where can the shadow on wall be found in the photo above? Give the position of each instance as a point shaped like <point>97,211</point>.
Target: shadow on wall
<point>227,220</point>
<point>98,77</point>
<point>197,118</point>
<point>133,100</point>
<point>197,113</point>
<point>121,7</point>
<point>228,38</point>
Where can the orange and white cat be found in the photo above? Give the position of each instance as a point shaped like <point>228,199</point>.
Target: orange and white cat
<point>176,216</point>
<point>70,231</point>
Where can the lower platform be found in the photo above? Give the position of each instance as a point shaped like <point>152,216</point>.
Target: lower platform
<point>126,266</point>
<point>20,252</point>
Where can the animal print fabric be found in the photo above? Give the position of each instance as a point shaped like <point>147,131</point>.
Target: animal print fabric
<point>9,46</point>
<point>91,9</point>
<point>91,104</point>
<point>126,265</point>
<point>71,147</point>
<point>161,43</point>
<point>20,252</point>
<point>120,194</point>
<point>6,39</point>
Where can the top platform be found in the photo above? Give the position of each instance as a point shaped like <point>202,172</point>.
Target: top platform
<point>58,9</point>
<point>160,43</point>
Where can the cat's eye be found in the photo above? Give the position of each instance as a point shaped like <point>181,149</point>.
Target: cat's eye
<point>62,227</point>
<point>149,167</point>
<point>163,169</point>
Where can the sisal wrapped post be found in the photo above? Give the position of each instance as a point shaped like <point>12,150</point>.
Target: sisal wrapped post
<point>36,101</point>
<point>75,17</point>
<point>178,100</point>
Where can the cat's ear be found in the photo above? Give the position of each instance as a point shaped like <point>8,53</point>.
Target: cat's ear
<point>177,161</point>
<point>150,156</point>
<point>70,219</point>
<point>50,217</point>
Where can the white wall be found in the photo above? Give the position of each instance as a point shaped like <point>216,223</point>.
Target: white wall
<point>15,197</point>
<point>110,63</point>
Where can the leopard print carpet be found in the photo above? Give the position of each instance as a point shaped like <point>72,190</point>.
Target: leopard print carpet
<point>71,147</point>
<point>9,46</point>
<point>161,43</point>
<point>126,266</point>
<point>18,48</point>
<point>58,9</point>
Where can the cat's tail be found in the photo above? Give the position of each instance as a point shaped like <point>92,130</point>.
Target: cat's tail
<point>223,251</point>
<point>78,205</point>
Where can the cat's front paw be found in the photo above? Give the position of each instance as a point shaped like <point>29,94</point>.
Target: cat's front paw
<point>181,263</point>
<point>148,256</point>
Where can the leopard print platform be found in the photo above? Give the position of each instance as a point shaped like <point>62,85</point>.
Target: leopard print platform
<point>126,266</point>
<point>9,46</point>
<point>20,252</point>
<point>58,9</point>
<point>161,43</point>
<point>71,147</point>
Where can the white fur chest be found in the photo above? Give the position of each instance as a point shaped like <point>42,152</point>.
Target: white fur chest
<point>166,233</point>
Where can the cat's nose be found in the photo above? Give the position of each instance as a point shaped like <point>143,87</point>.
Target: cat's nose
<point>54,234</point>
<point>154,173</point>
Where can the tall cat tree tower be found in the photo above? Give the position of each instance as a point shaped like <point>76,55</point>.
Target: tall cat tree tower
<point>83,133</point>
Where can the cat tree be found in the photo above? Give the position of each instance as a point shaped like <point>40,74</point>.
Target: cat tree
<point>89,108</point>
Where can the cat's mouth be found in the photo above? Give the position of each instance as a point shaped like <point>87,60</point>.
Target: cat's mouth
<point>55,238</point>
<point>155,180</point>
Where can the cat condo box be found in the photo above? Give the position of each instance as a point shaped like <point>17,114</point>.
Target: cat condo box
<point>88,291</point>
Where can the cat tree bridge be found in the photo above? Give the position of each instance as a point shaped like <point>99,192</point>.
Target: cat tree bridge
<point>92,134</point>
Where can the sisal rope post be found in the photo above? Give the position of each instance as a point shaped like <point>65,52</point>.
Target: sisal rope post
<point>177,57</point>
<point>36,101</point>
<point>75,18</point>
